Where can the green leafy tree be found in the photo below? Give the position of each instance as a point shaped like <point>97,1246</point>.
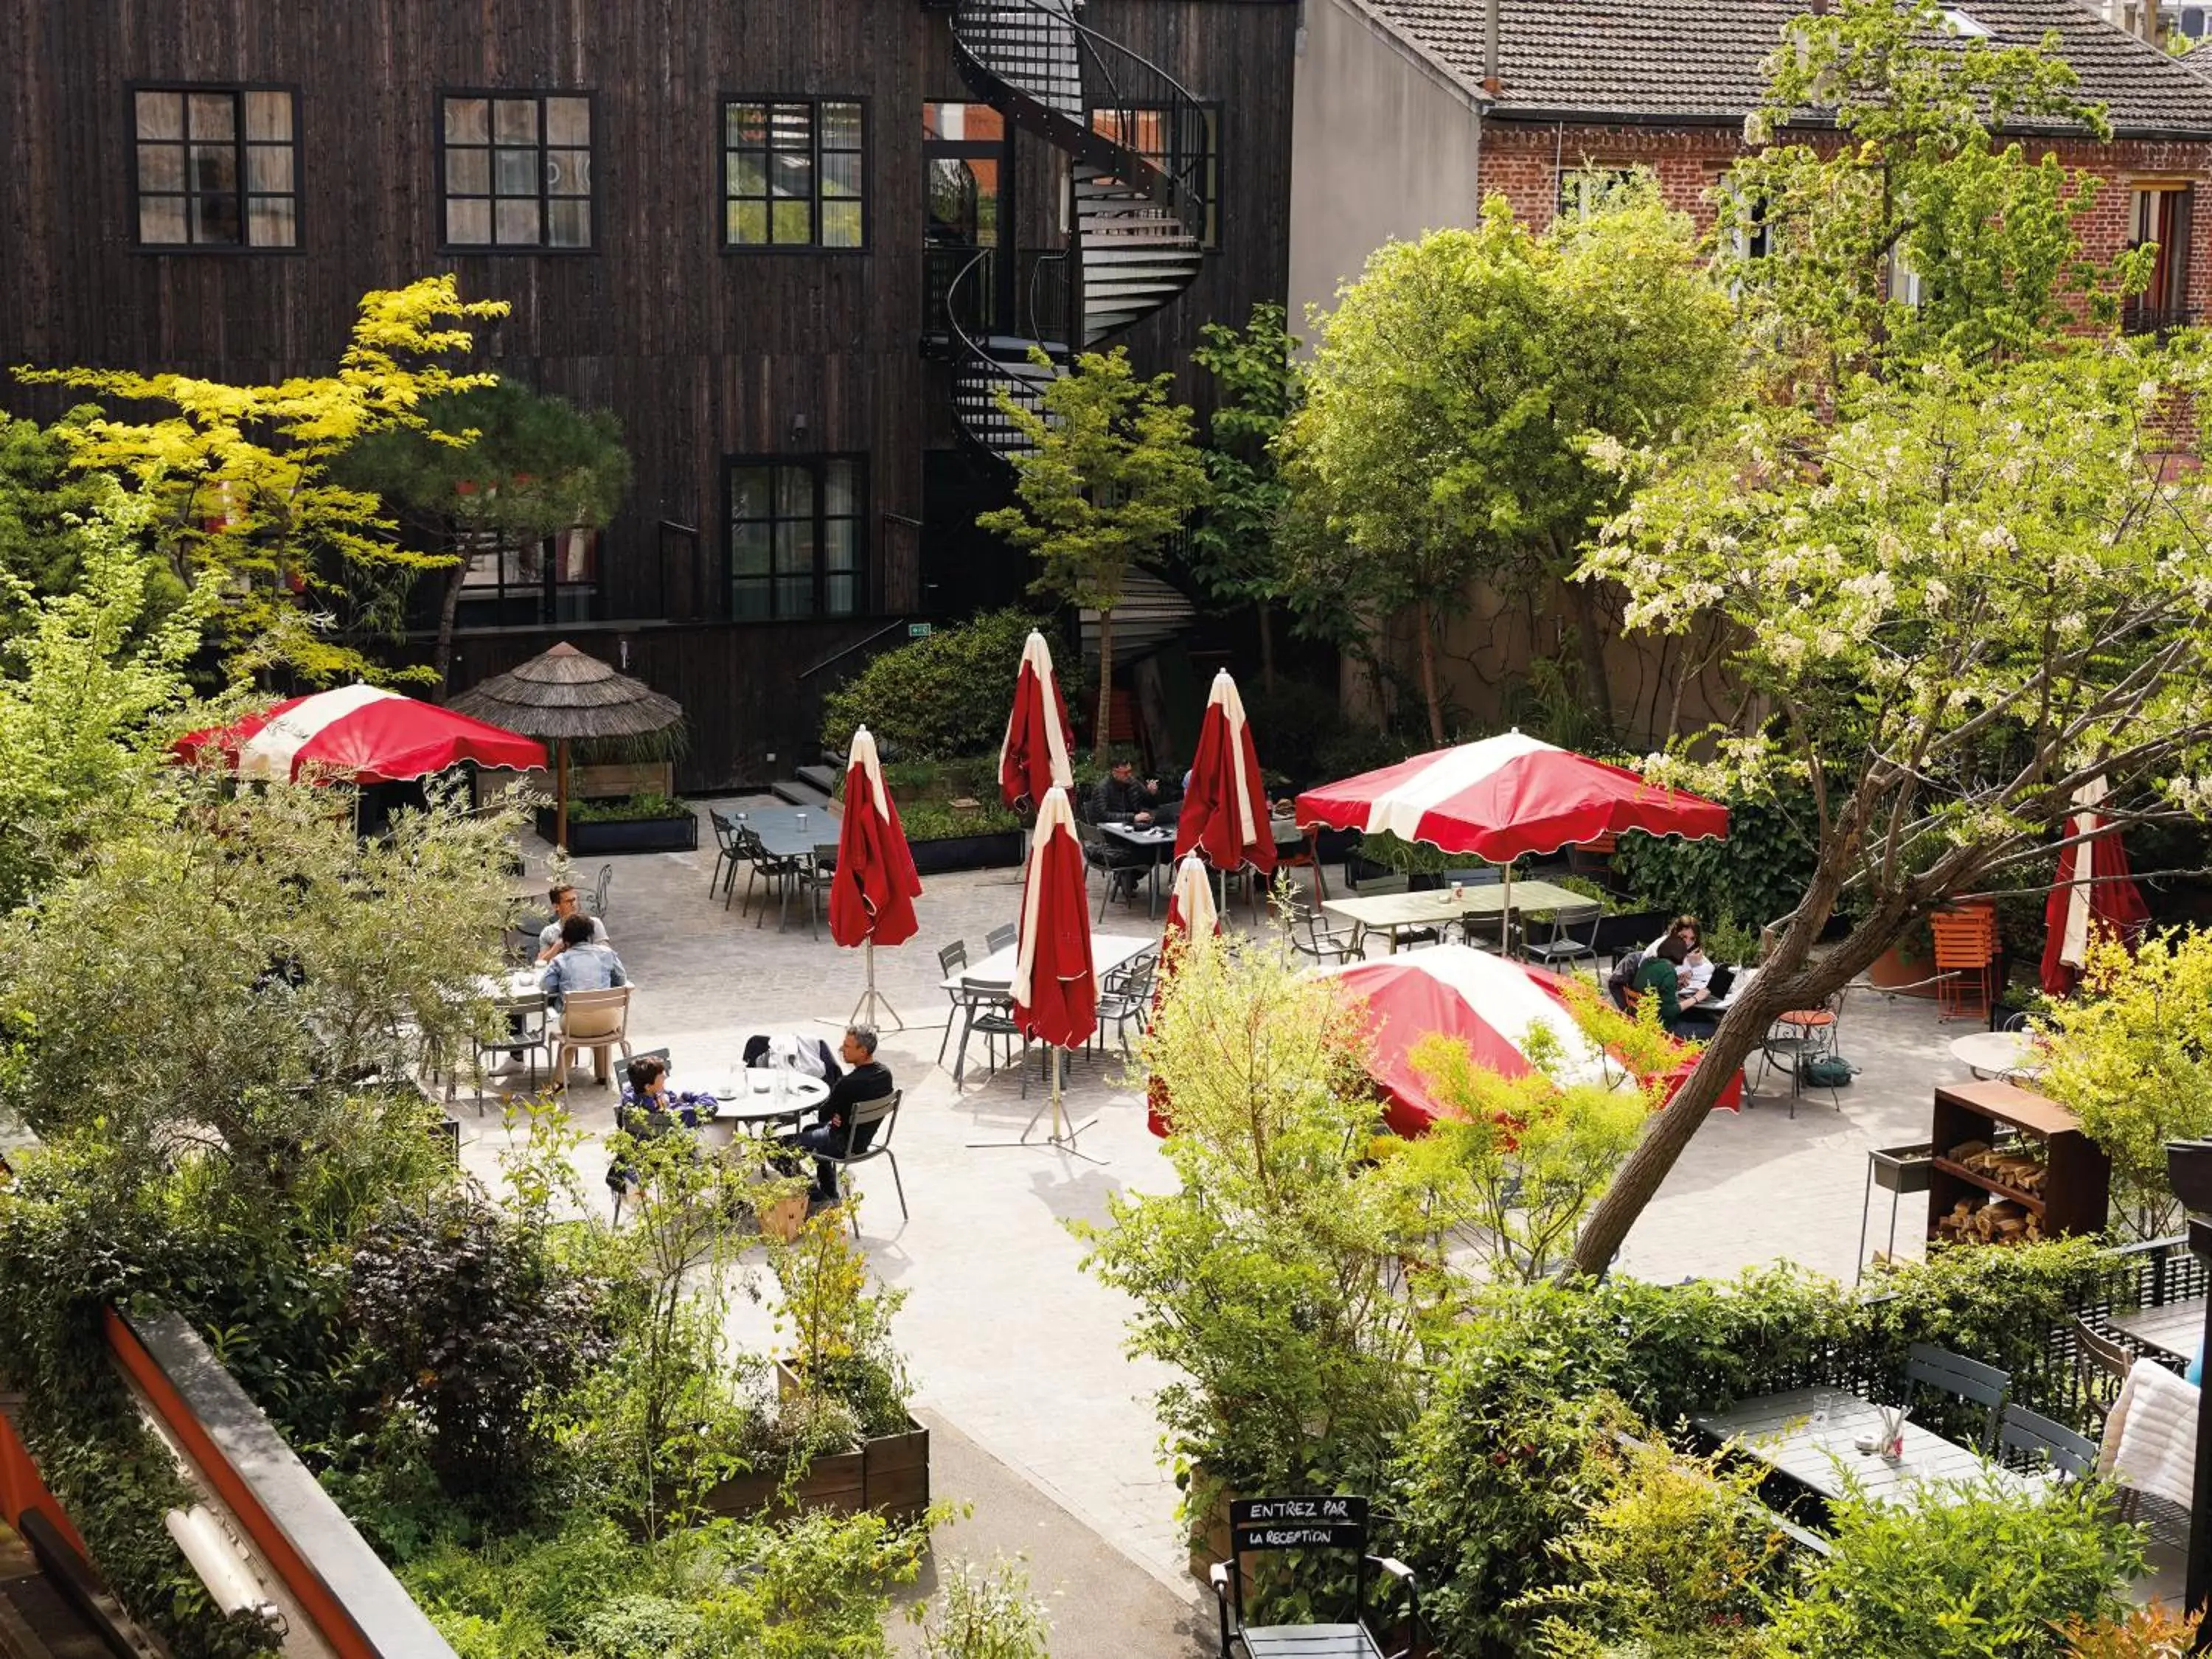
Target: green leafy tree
<point>1110,478</point>
<point>91,682</point>
<point>1924,185</point>
<point>1233,549</point>
<point>242,483</point>
<point>497,462</point>
<point>1440,440</point>
<point>1952,607</point>
<point>2132,1058</point>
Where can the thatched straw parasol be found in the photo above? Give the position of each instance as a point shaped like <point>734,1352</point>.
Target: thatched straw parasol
<point>564,695</point>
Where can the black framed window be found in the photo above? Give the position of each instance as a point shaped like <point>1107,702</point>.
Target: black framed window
<point>798,537</point>
<point>2159,215</point>
<point>1584,190</point>
<point>515,169</point>
<point>1192,157</point>
<point>215,167</point>
<point>793,172</point>
<point>509,583</point>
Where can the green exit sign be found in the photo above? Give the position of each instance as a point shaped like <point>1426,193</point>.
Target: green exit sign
<point>917,631</point>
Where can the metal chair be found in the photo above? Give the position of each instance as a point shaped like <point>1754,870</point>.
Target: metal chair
<point>1307,857</point>
<point>774,874</point>
<point>999,937</point>
<point>602,895</point>
<point>950,961</point>
<point>1310,937</point>
<point>815,875</point>
<point>1125,994</point>
<point>597,1022</point>
<point>883,1113</point>
<point>2035,1440</point>
<point>727,852</point>
<point>1574,938</point>
<point>522,1035</point>
<point>1966,1380</point>
<point>1801,1035</point>
<point>1261,1526</point>
<point>1100,854</point>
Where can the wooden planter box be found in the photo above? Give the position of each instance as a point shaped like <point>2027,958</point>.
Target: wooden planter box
<point>585,782</point>
<point>888,1473</point>
<point>603,837</point>
<point>987,851</point>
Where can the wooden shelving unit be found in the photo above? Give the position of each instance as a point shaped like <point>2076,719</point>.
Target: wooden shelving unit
<point>2077,1179</point>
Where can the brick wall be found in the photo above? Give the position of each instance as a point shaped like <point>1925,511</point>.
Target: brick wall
<point>1523,163</point>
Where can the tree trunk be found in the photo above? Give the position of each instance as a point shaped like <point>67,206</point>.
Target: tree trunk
<point>1597,682</point>
<point>1266,646</point>
<point>449,610</point>
<point>1429,674</point>
<point>1786,984</point>
<point>1102,739</point>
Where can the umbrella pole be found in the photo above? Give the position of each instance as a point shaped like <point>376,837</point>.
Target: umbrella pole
<point>560,797</point>
<point>871,1000</point>
<point>1061,1137</point>
<point>1505,916</point>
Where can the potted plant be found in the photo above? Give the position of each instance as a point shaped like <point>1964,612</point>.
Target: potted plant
<point>626,823</point>
<point>849,1442</point>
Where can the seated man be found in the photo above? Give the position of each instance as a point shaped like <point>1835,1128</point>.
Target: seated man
<point>646,1092</point>
<point>865,1079</point>
<point>582,963</point>
<point>1120,798</point>
<point>563,901</point>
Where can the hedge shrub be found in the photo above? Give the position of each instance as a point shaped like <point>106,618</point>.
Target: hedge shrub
<point>941,698</point>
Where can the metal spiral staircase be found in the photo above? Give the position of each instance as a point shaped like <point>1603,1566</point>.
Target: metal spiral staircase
<point>1138,218</point>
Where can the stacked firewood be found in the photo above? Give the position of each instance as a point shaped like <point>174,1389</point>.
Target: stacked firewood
<point>1999,1221</point>
<point>2014,1165</point>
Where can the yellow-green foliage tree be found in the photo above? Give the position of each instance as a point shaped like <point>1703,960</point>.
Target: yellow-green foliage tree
<point>1533,1152</point>
<point>2132,1058</point>
<point>240,480</point>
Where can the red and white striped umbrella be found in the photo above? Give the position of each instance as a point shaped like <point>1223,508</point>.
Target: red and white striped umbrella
<point>1033,757</point>
<point>873,888</point>
<point>360,734</point>
<point>1507,797</point>
<point>2093,893</point>
<point>1486,1001</point>
<point>1224,811</point>
<point>1190,911</point>
<point>1055,996</point>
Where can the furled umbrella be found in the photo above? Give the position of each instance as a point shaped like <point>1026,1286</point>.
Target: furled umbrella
<point>2099,898</point>
<point>1191,913</point>
<point>1054,993</point>
<point>562,696</point>
<point>1505,798</point>
<point>1225,811</point>
<point>873,888</point>
<point>1033,757</point>
<point>359,734</point>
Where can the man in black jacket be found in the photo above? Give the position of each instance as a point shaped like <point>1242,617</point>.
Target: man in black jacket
<point>865,1079</point>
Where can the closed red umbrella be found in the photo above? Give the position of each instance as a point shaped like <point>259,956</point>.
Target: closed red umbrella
<point>1190,911</point>
<point>1033,757</point>
<point>1055,993</point>
<point>1224,811</point>
<point>873,888</point>
<point>359,734</point>
<point>2101,898</point>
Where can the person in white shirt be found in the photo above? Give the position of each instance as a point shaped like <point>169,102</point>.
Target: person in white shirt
<point>563,901</point>
<point>1697,971</point>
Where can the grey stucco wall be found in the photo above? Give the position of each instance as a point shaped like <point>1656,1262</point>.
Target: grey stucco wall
<point>1381,146</point>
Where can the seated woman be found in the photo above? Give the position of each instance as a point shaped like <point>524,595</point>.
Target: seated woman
<point>1660,977</point>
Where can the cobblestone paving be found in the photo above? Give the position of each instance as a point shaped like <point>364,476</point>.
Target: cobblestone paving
<point>1009,1340</point>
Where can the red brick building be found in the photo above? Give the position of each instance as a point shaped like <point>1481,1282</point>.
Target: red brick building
<point>1406,118</point>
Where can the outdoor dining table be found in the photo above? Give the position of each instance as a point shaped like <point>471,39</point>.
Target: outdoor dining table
<point>994,975</point>
<point>1779,1431</point>
<point>2172,1330</point>
<point>1390,913</point>
<point>790,832</point>
<point>1156,839</point>
<point>2001,1054</point>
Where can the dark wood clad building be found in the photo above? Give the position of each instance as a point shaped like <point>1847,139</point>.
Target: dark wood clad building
<point>744,228</point>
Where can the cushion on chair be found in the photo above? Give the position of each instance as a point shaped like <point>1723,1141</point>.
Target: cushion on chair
<point>1806,1016</point>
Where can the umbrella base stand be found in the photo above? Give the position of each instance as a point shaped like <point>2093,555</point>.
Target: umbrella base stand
<point>1062,1138</point>
<point>874,1008</point>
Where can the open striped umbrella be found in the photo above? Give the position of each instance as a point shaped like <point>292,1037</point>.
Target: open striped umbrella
<point>1033,758</point>
<point>359,734</point>
<point>1224,811</point>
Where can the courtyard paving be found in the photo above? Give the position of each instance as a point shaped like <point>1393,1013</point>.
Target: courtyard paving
<point>1012,1345</point>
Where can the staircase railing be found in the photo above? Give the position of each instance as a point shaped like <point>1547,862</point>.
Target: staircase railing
<point>1133,94</point>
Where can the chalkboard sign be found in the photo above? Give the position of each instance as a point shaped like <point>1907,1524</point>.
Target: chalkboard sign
<point>1292,1523</point>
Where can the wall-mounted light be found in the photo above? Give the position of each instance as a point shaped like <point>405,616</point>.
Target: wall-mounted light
<point>229,1582</point>
<point>798,429</point>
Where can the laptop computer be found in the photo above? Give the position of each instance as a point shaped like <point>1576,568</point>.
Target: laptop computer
<point>1717,987</point>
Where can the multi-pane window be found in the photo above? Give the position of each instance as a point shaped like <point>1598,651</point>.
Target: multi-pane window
<point>1188,152</point>
<point>520,584</point>
<point>2160,216</point>
<point>217,167</point>
<point>792,173</point>
<point>516,169</point>
<point>1583,191</point>
<point>798,537</point>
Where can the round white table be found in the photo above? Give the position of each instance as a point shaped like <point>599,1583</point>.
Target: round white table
<point>735,1103</point>
<point>1997,1053</point>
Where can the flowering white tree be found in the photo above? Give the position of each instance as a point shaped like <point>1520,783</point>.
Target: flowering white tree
<point>1951,604</point>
